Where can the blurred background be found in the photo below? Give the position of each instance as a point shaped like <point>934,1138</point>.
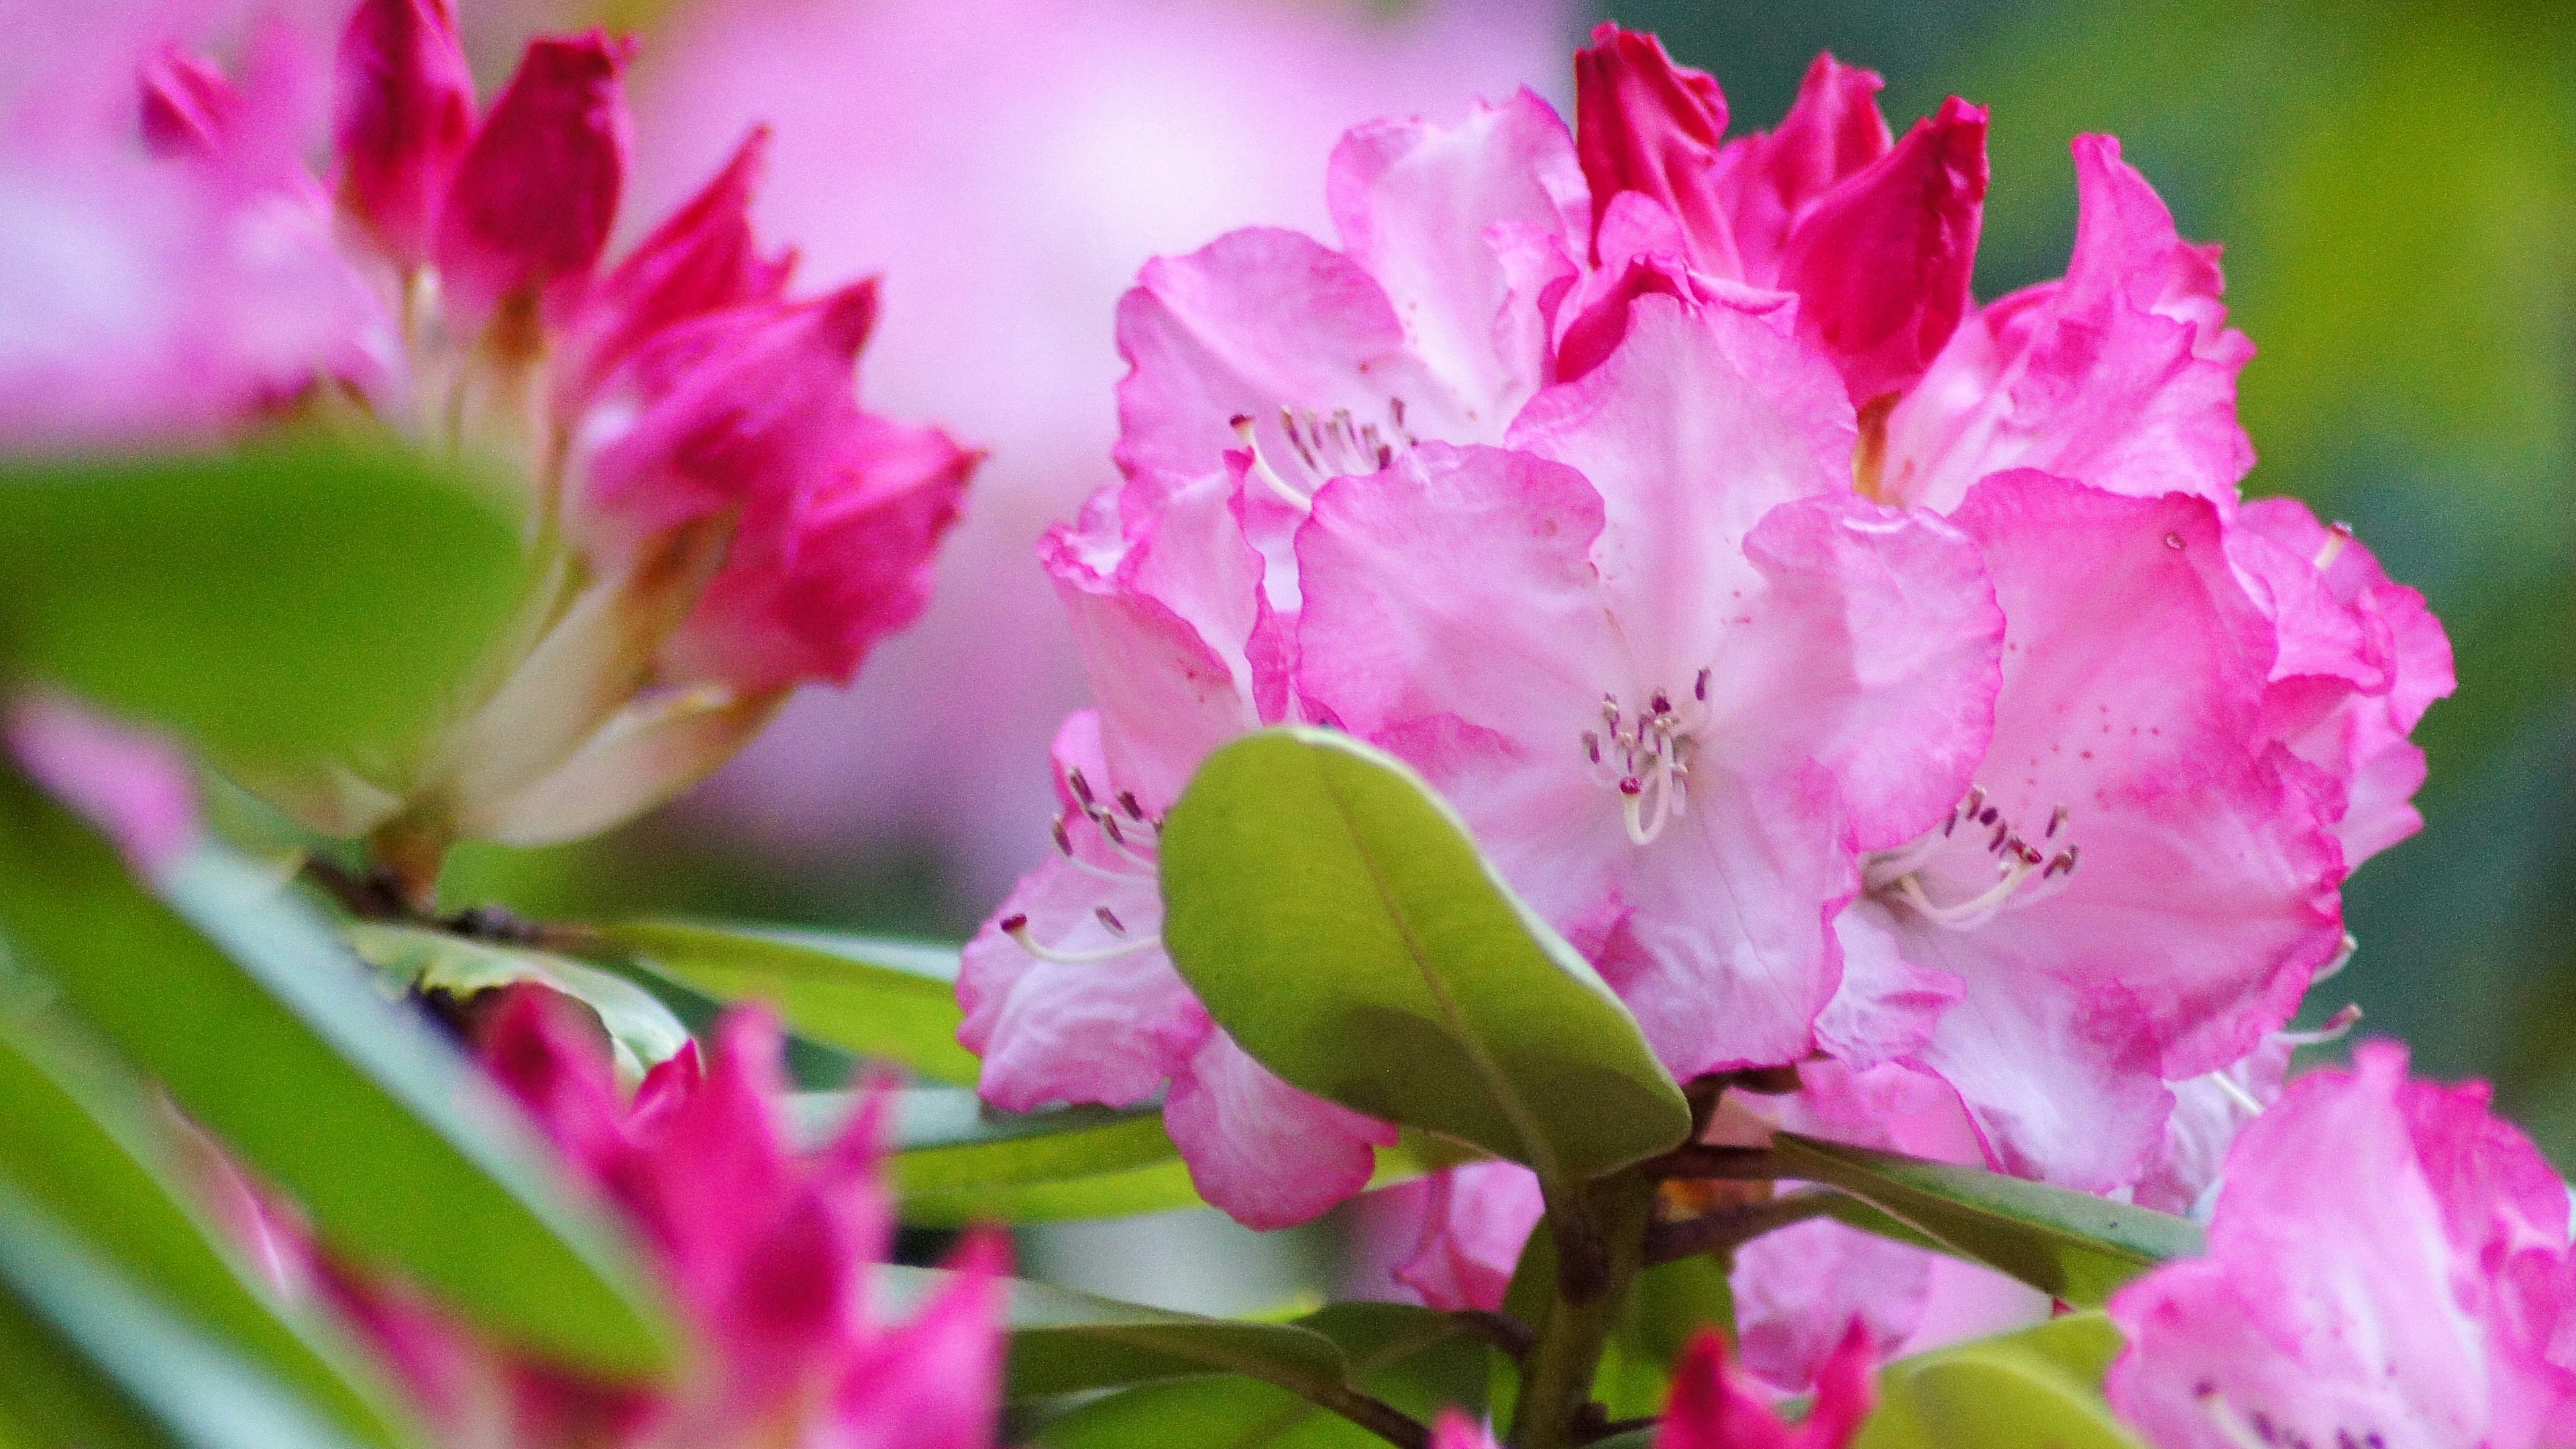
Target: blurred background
<point>2393,186</point>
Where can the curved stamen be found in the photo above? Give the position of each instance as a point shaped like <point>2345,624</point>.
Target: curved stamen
<point>1017,928</point>
<point>2230,1424</point>
<point>1243,428</point>
<point>2235,1092</point>
<point>2334,1028</point>
<point>1967,914</point>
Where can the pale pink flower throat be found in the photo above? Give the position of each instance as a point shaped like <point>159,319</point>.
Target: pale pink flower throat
<point>2028,865</point>
<point>1334,445</point>
<point>1131,840</point>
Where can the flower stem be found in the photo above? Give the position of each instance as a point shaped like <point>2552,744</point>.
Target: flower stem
<point>1600,1247</point>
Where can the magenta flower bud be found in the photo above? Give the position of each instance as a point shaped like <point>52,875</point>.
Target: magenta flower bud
<point>403,116</point>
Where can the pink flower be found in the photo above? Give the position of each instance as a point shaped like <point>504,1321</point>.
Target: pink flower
<point>716,520</point>
<point>766,1254</point>
<point>1713,1409</point>
<point>2139,886</point>
<point>1877,242</point>
<point>1010,218</point>
<point>2361,658</point>
<point>2388,1266</point>
<point>1067,991</point>
<point>1667,667</point>
<point>1477,1220</point>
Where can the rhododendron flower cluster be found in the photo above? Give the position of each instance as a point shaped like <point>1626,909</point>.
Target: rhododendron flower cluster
<point>714,518</point>
<point>767,1252</point>
<point>1856,674</point>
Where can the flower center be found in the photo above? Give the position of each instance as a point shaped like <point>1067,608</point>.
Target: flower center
<point>2028,866</point>
<point>1645,756</point>
<point>1334,445</point>
<point>1129,844</point>
<point>2257,1431</point>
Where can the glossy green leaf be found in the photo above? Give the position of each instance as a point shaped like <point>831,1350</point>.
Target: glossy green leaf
<point>83,1151</point>
<point>278,602</point>
<point>400,1151</point>
<point>895,1001</point>
<point>112,1347</point>
<point>1334,916</point>
<point>642,1031</point>
<point>1418,1361</point>
<point>2070,1245</point>
<point>2037,1389</point>
<point>53,1398</point>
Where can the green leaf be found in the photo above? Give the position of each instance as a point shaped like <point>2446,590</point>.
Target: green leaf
<point>81,1149</point>
<point>1334,916</point>
<point>2070,1245</point>
<point>1666,1307</point>
<point>1063,1341</point>
<point>401,1152</point>
<point>2037,1389</point>
<point>895,1001</point>
<point>90,1329</point>
<point>642,1031</point>
<point>1412,1358</point>
<point>279,602</point>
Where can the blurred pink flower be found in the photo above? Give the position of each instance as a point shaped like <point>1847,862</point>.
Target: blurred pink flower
<point>1712,1408</point>
<point>2388,1267</point>
<point>1010,192</point>
<point>133,785</point>
<point>766,1253</point>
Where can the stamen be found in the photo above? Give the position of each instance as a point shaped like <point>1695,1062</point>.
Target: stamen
<point>2235,1092</point>
<point>1081,787</point>
<point>1592,746</point>
<point>1110,919</point>
<point>1017,928</point>
<point>1136,812</point>
<point>2334,1028</point>
<point>1699,691</point>
<point>2338,537</point>
<point>2230,1425</point>
<point>1063,836</point>
<point>2056,820</point>
<point>2342,958</point>
<point>1969,913</point>
<point>1261,467</point>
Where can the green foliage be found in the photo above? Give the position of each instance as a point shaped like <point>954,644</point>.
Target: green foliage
<point>2037,1389</point>
<point>278,602</point>
<point>2071,1245</point>
<point>1318,895</point>
<point>1667,1306</point>
<point>265,1028</point>
<point>893,1001</point>
<point>96,1363</point>
<point>81,1149</point>
<point>1416,1361</point>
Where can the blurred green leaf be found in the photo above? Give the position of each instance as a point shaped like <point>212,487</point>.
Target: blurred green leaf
<point>2036,1389</point>
<point>109,1367</point>
<point>90,1158</point>
<point>278,602</point>
<point>1333,915</point>
<point>1063,1341</point>
<point>641,1030</point>
<point>1666,1307</point>
<point>2071,1245</point>
<point>402,1153</point>
<point>1418,1361</point>
<point>895,1001</point>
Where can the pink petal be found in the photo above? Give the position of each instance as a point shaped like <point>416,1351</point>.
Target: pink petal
<point>1417,205</point>
<point>936,1382</point>
<point>1764,182</point>
<point>2123,375</point>
<point>1886,1006</point>
<point>1646,125</point>
<point>1881,263</point>
<point>1473,1229</point>
<point>2386,1266</point>
<point>549,1061</point>
<point>1110,1030</point>
<point>187,105</point>
<point>1455,1430</point>
<point>133,785</point>
<point>702,258</point>
<point>536,193</point>
<point>403,119</point>
<point>1802,1292</point>
<point>1270,1155</point>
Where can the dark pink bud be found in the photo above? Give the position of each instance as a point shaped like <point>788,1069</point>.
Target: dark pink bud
<point>188,106</point>
<point>1831,131</point>
<point>536,194</point>
<point>1881,263</point>
<point>402,119</point>
<point>702,259</point>
<point>1645,124</point>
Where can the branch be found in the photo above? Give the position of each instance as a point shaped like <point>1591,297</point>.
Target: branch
<point>1377,1416</point>
<point>1731,1227</point>
<point>1503,1331</point>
